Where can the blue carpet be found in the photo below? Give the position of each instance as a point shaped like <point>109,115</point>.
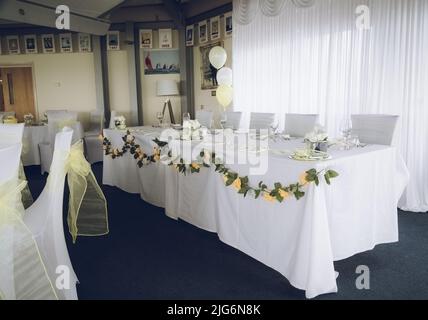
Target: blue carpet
<point>150,256</point>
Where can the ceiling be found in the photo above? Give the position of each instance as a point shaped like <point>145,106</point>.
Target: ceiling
<point>89,8</point>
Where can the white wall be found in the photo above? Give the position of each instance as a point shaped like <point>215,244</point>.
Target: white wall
<point>62,80</point>
<point>203,98</point>
<point>151,102</point>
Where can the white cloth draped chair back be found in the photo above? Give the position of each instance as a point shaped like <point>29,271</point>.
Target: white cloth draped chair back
<point>56,121</point>
<point>259,120</point>
<point>205,118</point>
<point>374,128</point>
<point>11,133</point>
<point>233,120</point>
<point>10,156</point>
<point>93,144</point>
<point>298,125</point>
<point>45,219</point>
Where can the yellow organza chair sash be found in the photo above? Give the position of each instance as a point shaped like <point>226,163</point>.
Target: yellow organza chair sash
<point>87,211</point>
<point>23,275</point>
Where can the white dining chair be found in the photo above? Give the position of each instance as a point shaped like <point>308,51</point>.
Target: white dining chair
<point>205,118</point>
<point>259,120</point>
<point>233,120</point>
<point>93,144</point>
<point>374,128</point>
<point>298,125</point>
<point>45,218</point>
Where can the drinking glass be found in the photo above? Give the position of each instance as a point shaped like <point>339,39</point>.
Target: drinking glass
<point>186,116</point>
<point>159,116</point>
<point>223,120</point>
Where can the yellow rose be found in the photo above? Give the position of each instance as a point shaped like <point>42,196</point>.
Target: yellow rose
<point>225,178</point>
<point>284,194</point>
<point>195,165</point>
<point>237,184</point>
<point>302,179</point>
<point>115,152</point>
<point>268,197</point>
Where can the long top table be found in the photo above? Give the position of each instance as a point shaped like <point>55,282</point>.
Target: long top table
<point>299,238</point>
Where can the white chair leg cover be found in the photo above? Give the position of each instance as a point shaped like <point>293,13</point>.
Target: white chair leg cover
<point>45,219</point>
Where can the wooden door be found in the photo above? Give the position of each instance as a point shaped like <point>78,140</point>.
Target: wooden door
<point>18,90</point>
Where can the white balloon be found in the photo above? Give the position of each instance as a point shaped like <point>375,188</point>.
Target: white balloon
<point>217,56</point>
<point>224,76</point>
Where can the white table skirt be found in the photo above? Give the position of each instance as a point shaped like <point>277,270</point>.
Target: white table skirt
<point>300,239</point>
<point>34,135</point>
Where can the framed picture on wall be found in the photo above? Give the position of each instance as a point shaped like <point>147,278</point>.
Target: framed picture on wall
<point>208,71</point>
<point>215,28</point>
<point>85,44</point>
<point>30,42</point>
<point>113,40</point>
<point>158,61</point>
<point>228,26</point>
<point>146,38</point>
<point>0,46</point>
<point>13,45</point>
<point>189,36</point>
<point>203,32</point>
<point>48,43</point>
<point>65,42</point>
<point>165,38</point>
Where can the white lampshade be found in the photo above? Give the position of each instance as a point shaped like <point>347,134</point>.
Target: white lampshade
<point>167,88</point>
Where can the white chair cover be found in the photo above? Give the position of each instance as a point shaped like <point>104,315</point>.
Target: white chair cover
<point>55,121</point>
<point>374,128</point>
<point>93,145</point>
<point>45,220</point>
<point>260,120</point>
<point>298,125</point>
<point>205,118</point>
<point>233,120</point>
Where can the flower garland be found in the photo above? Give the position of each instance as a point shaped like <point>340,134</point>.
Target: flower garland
<point>278,192</point>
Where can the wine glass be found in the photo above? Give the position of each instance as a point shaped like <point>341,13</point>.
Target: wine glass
<point>159,116</point>
<point>346,130</point>
<point>223,120</point>
<point>186,116</point>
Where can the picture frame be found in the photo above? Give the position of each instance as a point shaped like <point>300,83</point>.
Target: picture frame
<point>48,43</point>
<point>65,43</point>
<point>165,38</point>
<point>146,38</point>
<point>30,43</point>
<point>0,47</point>
<point>228,25</point>
<point>113,40</point>
<point>215,28</point>
<point>203,32</point>
<point>161,61</point>
<point>208,72</point>
<point>190,35</point>
<point>85,43</point>
<point>13,45</point>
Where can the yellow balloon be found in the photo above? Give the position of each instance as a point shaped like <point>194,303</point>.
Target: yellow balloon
<point>224,95</point>
<point>217,57</point>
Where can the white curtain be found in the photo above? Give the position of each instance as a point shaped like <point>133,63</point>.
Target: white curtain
<point>308,56</point>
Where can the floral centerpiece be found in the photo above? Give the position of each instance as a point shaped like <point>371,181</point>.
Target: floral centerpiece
<point>120,122</point>
<point>192,130</point>
<point>28,119</point>
<point>317,139</point>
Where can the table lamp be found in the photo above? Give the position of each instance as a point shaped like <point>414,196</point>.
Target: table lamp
<point>167,88</point>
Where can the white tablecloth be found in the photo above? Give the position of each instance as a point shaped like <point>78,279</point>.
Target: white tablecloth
<point>300,239</point>
<point>33,136</point>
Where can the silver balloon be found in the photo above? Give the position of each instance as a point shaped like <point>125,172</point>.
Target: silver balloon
<point>224,76</point>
